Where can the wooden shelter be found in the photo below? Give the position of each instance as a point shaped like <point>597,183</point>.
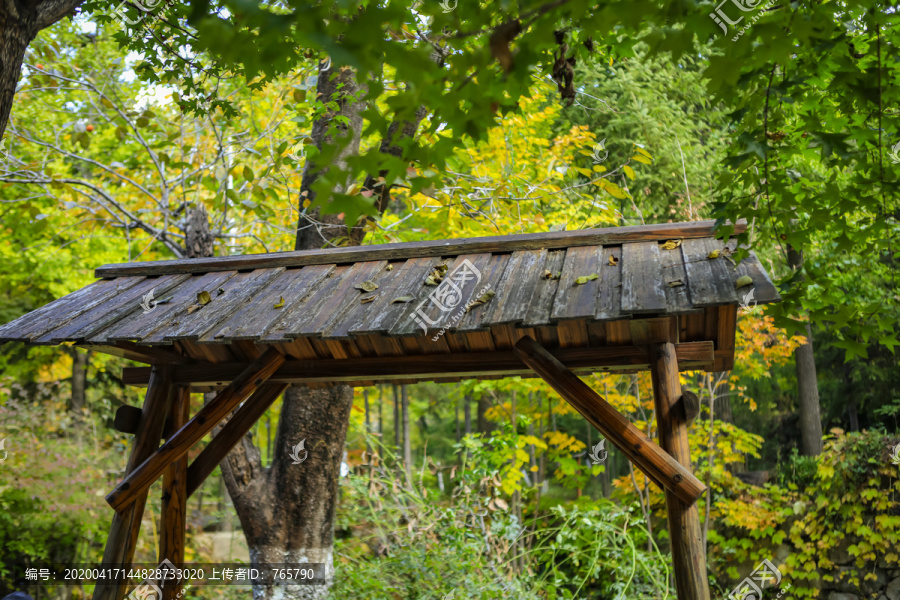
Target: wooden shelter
<point>549,304</point>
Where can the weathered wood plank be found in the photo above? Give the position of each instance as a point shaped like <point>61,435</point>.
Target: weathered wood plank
<point>574,300</point>
<point>144,354</point>
<point>291,285</point>
<point>390,364</point>
<point>709,280</point>
<point>490,276</point>
<point>304,306</point>
<point>173,509</point>
<point>764,291</point>
<point>141,326</point>
<point>545,291</point>
<point>350,254</point>
<point>642,285</point>
<point>66,309</point>
<point>678,300</point>
<point>123,307</point>
<point>439,304</point>
<point>236,294</point>
<point>609,304</point>
<point>516,287</point>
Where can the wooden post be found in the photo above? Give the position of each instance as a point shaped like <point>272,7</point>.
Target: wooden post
<point>661,468</point>
<point>137,481</point>
<point>174,499</point>
<point>688,553</point>
<point>126,524</point>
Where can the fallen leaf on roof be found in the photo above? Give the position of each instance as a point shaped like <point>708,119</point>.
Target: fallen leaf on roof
<point>402,299</point>
<point>192,308</point>
<point>221,291</point>
<point>280,302</point>
<point>743,281</point>
<point>367,286</point>
<point>483,299</point>
<point>203,298</point>
<point>585,278</point>
<point>547,274</point>
<point>671,244</point>
<point>389,268</point>
<point>676,283</point>
<point>368,299</point>
<point>613,261</point>
<point>430,280</point>
<point>714,254</point>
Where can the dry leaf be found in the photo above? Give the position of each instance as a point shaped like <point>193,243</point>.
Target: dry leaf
<point>389,268</point>
<point>221,291</point>
<point>430,280</point>
<point>671,244</point>
<point>403,299</point>
<point>367,286</point>
<point>280,302</point>
<point>585,278</point>
<point>501,503</point>
<point>676,283</point>
<point>368,299</point>
<point>483,299</point>
<point>714,254</point>
<point>203,298</point>
<point>192,308</point>
<point>743,281</point>
<point>613,261</point>
<point>547,274</point>
<point>442,269</point>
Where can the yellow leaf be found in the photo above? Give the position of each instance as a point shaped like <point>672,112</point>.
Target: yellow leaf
<point>203,298</point>
<point>714,254</point>
<point>629,172</point>
<point>280,302</point>
<point>599,169</point>
<point>642,151</point>
<point>585,278</point>
<point>743,281</point>
<point>585,172</point>
<point>642,159</point>
<point>367,286</point>
<point>614,190</point>
<point>671,244</point>
<point>613,261</point>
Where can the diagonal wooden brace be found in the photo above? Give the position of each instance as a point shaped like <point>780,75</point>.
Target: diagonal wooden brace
<point>138,480</point>
<point>236,428</point>
<point>655,462</point>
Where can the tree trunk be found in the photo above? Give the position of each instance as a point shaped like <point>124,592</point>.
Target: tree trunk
<point>467,413</point>
<point>810,419</point>
<point>20,22</point>
<point>198,240</point>
<point>80,360</point>
<point>484,425</point>
<point>397,427</point>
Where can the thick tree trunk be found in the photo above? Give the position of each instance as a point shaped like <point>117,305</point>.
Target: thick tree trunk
<point>808,388</point>
<point>20,22</point>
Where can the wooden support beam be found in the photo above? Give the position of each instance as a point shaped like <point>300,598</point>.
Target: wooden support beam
<point>174,500</point>
<point>152,355</point>
<point>692,355</point>
<point>126,524</point>
<point>688,553</point>
<point>661,468</point>
<point>399,251</point>
<point>236,428</point>
<point>138,480</point>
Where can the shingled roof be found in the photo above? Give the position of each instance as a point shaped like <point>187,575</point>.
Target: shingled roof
<point>314,304</point>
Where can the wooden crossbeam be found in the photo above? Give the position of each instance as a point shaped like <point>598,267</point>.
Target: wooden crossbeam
<point>399,251</point>
<point>655,462</point>
<point>137,481</point>
<point>688,553</point>
<point>236,428</point>
<point>691,355</point>
<point>126,524</point>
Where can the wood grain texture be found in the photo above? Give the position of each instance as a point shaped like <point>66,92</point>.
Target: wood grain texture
<point>351,254</point>
<point>709,280</point>
<point>173,509</point>
<point>516,288</point>
<point>659,466</point>
<point>678,300</point>
<point>390,366</point>
<point>578,300</point>
<point>609,303</point>
<point>491,276</point>
<point>642,279</point>
<point>688,553</point>
<point>137,481</point>
<point>542,298</point>
<point>126,524</point>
